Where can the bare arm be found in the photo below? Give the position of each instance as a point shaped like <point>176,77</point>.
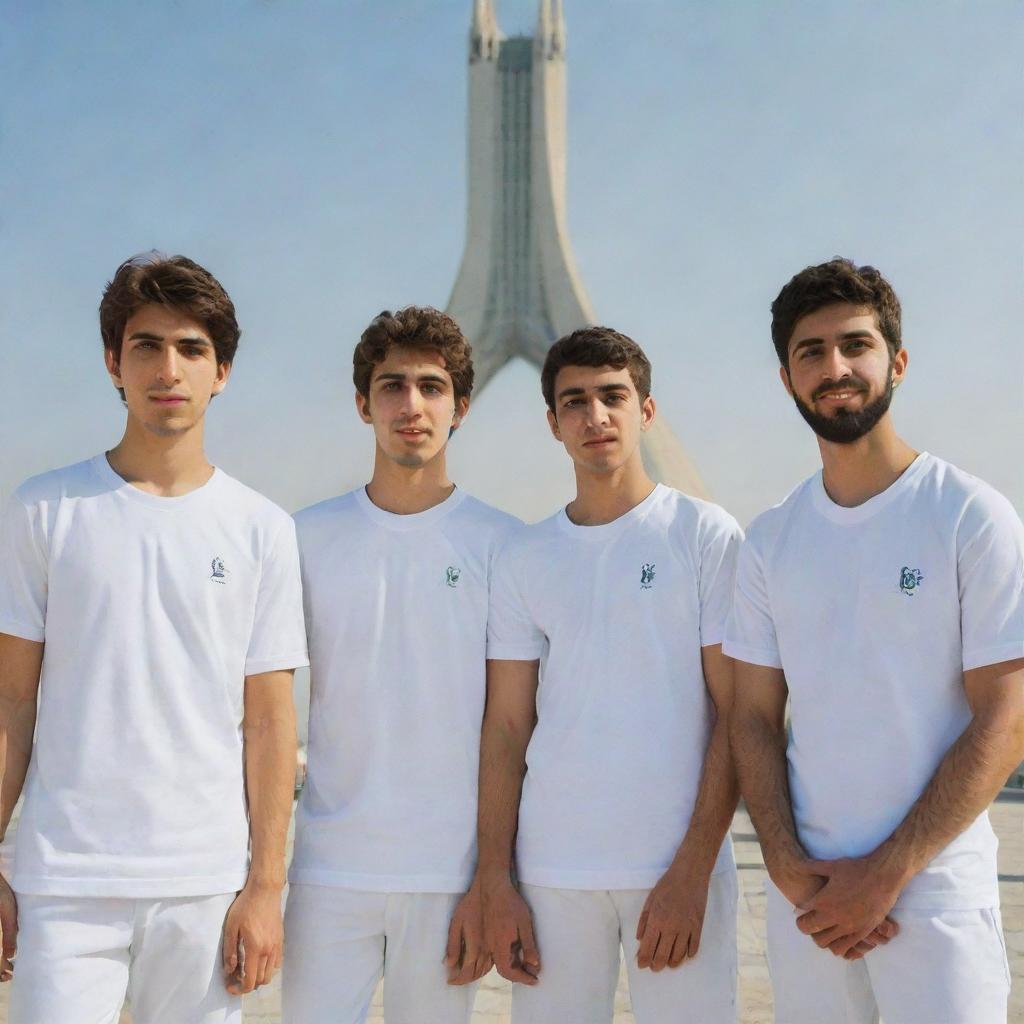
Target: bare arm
<point>509,720</point>
<point>671,922</point>
<point>968,778</point>
<point>268,729</point>
<point>20,665</point>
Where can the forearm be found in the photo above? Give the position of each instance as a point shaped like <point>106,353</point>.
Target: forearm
<point>270,753</point>
<point>714,806</point>
<point>502,768</point>
<point>17,728</point>
<point>967,780</point>
<point>759,751</point>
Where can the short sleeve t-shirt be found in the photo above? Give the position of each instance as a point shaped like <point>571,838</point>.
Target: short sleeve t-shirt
<point>396,614</point>
<point>875,612</point>
<point>153,611</point>
<point>617,615</point>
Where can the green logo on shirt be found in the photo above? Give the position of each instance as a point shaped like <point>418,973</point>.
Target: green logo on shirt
<point>647,576</point>
<point>452,575</point>
<point>910,580</point>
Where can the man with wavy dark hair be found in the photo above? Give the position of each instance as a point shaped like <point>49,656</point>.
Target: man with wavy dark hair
<point>882,601</point>
<point>150,620</point>
<point>396,578</point>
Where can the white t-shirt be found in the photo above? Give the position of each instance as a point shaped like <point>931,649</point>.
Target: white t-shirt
<point>617,615</point>
<point>153,610</point>
<point>875,612</point>
<point>396,616</point>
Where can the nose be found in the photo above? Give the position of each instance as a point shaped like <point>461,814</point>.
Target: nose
<point>597,412</point>
<point>834,365</point>
<point>167,372</point>
<point>412,402</point>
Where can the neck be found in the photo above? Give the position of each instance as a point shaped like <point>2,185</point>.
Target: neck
<point>165,466</point>
<point>406,490</point>
<point>853,473</point>
<point>603,497</point>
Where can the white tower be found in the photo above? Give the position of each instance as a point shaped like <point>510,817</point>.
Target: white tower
<point>518,288</point>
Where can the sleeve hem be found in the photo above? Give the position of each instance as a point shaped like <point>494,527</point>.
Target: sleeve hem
<point>22,630</point>
<point>993,655</point>
<point>752,655</point>
<point>512,652</point>
<point>280,664</point>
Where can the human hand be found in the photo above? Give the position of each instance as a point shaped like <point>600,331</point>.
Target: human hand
<point>8,929</point>
<point>508,932</point>
<point>466,957</point>
<point>253,939</point>
<point>852,908</point>
<point>672,919</point>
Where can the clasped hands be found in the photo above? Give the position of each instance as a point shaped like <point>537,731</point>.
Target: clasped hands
<point>844,904</point>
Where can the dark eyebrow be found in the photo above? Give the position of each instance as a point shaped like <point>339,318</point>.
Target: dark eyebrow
<point>430,378</point>
<point>603,389</point>
<point>845,336</point>
<point>149,336</point>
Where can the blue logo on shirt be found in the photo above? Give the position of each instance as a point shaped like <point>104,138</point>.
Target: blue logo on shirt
<point>647,576</point>
<point>910,580</point>
<point>218,571</point>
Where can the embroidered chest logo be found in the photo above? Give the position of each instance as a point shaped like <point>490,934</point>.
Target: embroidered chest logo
<point>452,574</point>
<point>647,576</point>
<point>910,580</point>
<point>218,571</point>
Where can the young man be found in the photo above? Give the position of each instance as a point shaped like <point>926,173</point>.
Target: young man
<point>396,577</point>
<point>883,598</point>
<point>150,620</point>
<point>608,690</point>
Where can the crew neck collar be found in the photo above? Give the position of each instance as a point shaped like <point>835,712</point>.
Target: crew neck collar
<point>603,531</point>
<point>412,520</point>
<point>847,516</point>
<point>117,483</point>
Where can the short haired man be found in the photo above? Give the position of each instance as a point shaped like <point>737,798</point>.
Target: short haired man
<point>396,578</point>
<point>607,688</point>
<point>883,599</point>
<point>151,613</point>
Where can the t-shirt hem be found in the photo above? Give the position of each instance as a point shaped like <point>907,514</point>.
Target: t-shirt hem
<point>513,652</point>
<point>993,655</point>
<point>971,899</point>
<point>751,655</point>
<point>280,664</point>
<point>558,878</point>
<point>145,888</point>
<point>22,630</point>
<point>379,883</point>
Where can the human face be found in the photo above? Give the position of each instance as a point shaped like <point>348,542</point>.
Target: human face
<point>841,372</point>
<point>599,416</point>
<point>167,368</point>
<point>411,406</point>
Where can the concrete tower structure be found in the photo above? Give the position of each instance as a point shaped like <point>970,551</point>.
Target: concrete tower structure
<point>518,288</point>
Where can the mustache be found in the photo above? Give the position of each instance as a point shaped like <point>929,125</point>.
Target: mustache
<point>846,384</point>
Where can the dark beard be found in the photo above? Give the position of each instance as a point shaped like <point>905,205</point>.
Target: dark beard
<point>845,427</point>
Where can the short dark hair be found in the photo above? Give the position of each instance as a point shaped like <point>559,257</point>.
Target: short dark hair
<point>838,280</point>
<point>596,346</point>
<point>174,281</point>
<point>421,327</point>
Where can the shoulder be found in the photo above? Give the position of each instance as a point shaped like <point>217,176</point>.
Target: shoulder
<point>256,507</point>
<point>972,505</point>
<point>697,517</point>
<point>487,517</point>
<point>325,517</point>
<point>524,541</point>
<point>67,481</point>
<point>766,527</point>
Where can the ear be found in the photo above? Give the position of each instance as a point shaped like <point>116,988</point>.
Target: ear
<point>647,411</point>
<point>461,411</point>
<point>113,365</point>
<point>553,424</point>
<point>786,382</point>
<point>363,407</point>
<point>899,367</point>
<point>221,380</point>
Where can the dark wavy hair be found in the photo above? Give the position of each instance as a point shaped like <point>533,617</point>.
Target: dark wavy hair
<point>838,280</point>
<point>596,346</point>
<point>421,327</point>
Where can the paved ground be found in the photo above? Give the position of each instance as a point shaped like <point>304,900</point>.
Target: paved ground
<point>492,1003</point>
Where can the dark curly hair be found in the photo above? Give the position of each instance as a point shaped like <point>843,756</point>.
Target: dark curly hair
<point>838,280</point>
<point>596,346</point>
<point>421,327</point>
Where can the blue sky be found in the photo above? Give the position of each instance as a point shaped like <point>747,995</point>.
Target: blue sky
<point>312,156</point>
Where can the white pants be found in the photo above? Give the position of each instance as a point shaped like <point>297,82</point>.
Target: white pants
<point>944,967</point>
<point>579,933</point>
<point>338,943</point>
<point>78,957</point>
